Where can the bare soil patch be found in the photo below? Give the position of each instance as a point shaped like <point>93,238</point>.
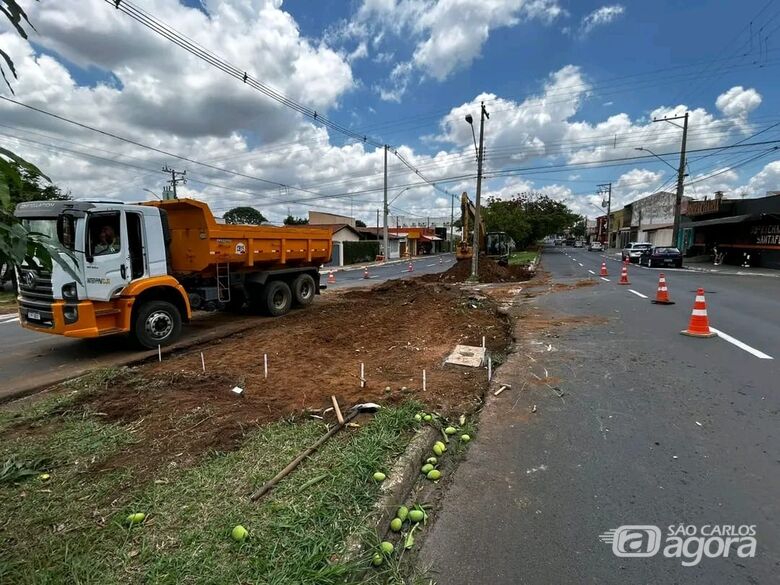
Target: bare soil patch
<point>489,271</point>
<point>397,329</point>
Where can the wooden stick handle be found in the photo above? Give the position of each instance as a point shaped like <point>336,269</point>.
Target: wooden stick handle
<point>295,462</point>
<point>339,416</point>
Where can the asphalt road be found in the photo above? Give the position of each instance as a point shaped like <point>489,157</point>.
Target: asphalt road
<point>29,354</point>
<point>652,428</point>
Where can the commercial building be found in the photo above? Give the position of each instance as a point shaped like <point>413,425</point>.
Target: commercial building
<point>744,231</point>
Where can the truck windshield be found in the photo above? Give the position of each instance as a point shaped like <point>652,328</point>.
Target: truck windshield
<point>62,230</point>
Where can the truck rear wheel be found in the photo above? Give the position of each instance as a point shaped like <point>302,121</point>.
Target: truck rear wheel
<point>156,323</point>
<point>304,288</point>
<point>278,298</point>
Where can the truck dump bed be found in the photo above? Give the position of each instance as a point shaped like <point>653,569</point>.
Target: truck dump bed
<point>198,243</point>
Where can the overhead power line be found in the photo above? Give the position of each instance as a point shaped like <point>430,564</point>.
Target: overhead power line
<point>168,32</point>
<point>155,149</point>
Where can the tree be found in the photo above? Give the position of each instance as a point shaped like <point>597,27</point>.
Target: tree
<point>580,228</point>
<point>245,215</point>
<point>16,15</point>
<point>26,183</point>
<point>528,217</point>
<point>17,243</point>
<point>290,220</point>
<point>360,223</point>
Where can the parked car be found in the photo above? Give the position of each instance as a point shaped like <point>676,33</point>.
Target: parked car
<point>634,250</point>
<point>595,247</point>
<point>661,256</point>
<point>570,241</point>
<point>579,244</point>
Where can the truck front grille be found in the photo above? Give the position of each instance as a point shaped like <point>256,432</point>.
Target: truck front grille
<point>36,297</point>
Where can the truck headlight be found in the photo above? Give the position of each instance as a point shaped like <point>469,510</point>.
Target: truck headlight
<point>69,291</point>
<point>71,314</point>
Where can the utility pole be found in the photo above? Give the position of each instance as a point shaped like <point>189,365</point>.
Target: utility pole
<point>680,174</point>
<point>377,224</point>
<point>608,187</point>
<point>386,238</point>
<point>480,157</point>
<point>177,177</point>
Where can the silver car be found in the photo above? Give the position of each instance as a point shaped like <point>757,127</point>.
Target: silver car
<point>633,252</point>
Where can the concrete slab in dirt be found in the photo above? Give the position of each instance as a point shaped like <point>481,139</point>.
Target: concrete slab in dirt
<point>467,355</point>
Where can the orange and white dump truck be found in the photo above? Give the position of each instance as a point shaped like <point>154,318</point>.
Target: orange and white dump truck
<point>143,268</point>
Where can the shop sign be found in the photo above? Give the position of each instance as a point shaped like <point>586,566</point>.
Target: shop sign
<point>767,234</point>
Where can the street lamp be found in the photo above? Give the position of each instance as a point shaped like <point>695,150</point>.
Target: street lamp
<point>475,240</point>
<point>152,192</point>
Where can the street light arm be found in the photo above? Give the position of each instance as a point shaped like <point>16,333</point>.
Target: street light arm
<point>656,156</point>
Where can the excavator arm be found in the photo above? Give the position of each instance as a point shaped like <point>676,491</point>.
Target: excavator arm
<point>468,216</point>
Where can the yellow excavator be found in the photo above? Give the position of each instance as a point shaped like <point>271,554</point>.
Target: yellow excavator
<point>496,245</point>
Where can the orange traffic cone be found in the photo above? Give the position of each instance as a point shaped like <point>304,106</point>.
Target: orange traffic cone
<point>624,274</point>
<point>699,325</point>
<point>604,269</point>
<point>411,267</point>
<point>331,278</point>
<point>662,296</point>
<point>365,272</point>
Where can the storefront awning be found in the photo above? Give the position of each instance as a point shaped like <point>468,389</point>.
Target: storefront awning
<point>431,239</point>
<point>720,221</point>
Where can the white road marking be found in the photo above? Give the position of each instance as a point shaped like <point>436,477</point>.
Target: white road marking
<point>580,263</point>
<point>434,264</point>
<point>593,273</point>
<point>604,279</point>
<point>639,294</point>
<point>741,345</point>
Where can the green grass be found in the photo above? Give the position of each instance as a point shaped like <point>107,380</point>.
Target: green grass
<point>524,257</point>
<point>7,298</point>
<point>71,529</point>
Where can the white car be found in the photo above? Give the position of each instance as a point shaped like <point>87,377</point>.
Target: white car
<point>595,247</point>
<point>633,252</point>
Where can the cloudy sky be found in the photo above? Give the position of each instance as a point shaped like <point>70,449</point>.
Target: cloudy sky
<point>571,86</point>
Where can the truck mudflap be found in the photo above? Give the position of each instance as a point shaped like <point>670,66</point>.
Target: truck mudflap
<point>85,319</point>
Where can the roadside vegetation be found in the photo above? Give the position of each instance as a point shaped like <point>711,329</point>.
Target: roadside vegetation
<point>65,520</point>
<point>522,257</point>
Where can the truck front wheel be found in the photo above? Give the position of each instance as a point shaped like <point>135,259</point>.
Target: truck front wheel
<point>156,323</point>
<point>304,289</point>
<point>278,298</point>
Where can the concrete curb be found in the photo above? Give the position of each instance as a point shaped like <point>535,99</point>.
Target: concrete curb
<point>41,384</point>
<point>731,273</point>
<point>354,267</point>
<point>398,485</point>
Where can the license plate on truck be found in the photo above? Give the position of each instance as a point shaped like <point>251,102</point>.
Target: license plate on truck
<point>34,315</point>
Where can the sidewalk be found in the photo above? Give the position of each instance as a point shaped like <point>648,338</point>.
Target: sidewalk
<point>361,266</point>
<point>732,270</point>
<point>710,268</point>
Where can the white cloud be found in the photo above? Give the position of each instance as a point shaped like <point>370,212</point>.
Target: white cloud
<point>767,179</point>
<point>600,17</point>
<point>738,102</point>
<point>156,94</point>
<point>448,34</point>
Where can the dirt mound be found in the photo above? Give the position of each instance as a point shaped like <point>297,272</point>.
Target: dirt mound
<point>397,330</point>
<point>489,271</point>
